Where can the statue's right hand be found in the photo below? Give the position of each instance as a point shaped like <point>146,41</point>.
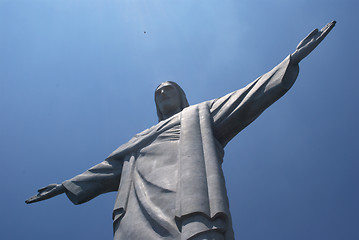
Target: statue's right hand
<point>308,44</point>
<point>47,192</point>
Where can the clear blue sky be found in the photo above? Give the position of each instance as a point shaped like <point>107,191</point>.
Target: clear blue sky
<point>77,79</point>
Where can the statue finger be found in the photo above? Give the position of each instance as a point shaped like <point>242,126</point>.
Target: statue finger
<point>328,26</point>
<point>33,199</point>
<point>29,200</point>
<point>47,187</point>
<point>325,30</point>
<point>43,189</point>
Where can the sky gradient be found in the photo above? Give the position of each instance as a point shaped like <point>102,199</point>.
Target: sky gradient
<point>77,79</point>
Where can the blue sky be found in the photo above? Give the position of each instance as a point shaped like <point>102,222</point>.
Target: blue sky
<point>77,80</point>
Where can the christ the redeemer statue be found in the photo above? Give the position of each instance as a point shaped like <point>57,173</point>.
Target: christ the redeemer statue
<point>169,177</point>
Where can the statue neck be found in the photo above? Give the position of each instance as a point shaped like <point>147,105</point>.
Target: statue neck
<point>170,114</point>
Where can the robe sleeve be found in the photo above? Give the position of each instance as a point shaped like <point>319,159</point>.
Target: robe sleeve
<point>102,178</point>
<point>233,112</point>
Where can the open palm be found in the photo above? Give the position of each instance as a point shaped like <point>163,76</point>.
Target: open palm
<point>308,44</point>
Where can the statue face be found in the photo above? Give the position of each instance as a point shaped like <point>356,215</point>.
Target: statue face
<point>168,99</point>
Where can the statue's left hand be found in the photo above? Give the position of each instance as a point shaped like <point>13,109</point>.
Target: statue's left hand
<point>308,44</point>
<point>47,192</point>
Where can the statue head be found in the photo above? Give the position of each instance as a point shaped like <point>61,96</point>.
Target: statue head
<point>170,99</point>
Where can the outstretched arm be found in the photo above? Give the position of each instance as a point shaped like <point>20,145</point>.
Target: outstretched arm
<point>308,44</point>
<point>236,110</point>
<point>102,178</point>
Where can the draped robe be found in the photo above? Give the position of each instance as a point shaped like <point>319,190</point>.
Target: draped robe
<point>169,177</point>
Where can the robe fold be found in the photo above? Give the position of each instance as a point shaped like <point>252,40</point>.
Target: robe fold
<point>169,177</point>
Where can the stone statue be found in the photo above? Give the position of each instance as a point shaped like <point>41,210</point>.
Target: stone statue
<point>169,177</point>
